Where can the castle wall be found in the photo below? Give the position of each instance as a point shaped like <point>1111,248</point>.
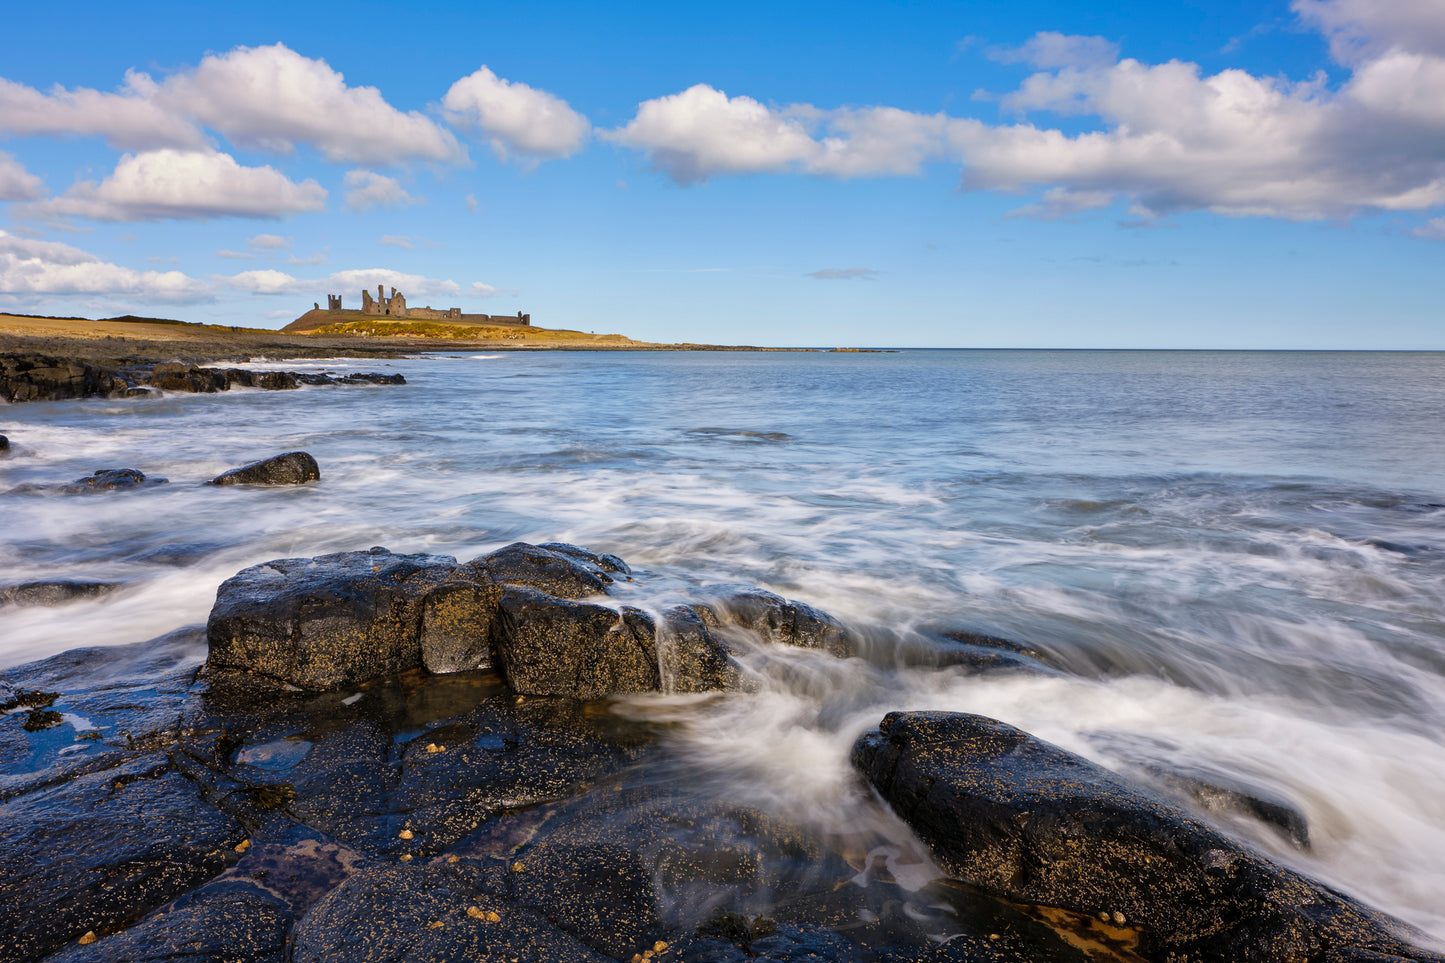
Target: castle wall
<point>395,306</point>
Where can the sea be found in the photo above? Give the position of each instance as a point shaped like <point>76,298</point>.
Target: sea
<point>1232,563</point>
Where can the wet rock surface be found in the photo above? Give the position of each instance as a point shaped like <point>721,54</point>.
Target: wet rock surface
<point>412,806</point>
<point>291,468</point>
<point>38,377</point>
<point>1027,821</point>
<point>324,622</point>
<point>54,591</point>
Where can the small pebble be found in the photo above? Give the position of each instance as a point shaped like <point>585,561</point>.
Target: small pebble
<point>648,954</point>
<point>1118,918</point>
<point>434,925</point>
<point>1104,916</point>
<point>453,860</point>
<point>407,834</point>
<point>475,913</point>
<point>406,857</point>
<point>516,867</point>
<point>243,845</point>
<point>493,916</point>
<point>88,938</point>
<point>433,747</point>
<point>659,946</point>
<point>993,936</point>
<point>636,958</point>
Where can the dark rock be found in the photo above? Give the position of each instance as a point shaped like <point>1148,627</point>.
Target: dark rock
<point>175,376</point>
<point>458,621</point>
<point>276,381</point>
<point>245,924</point>
<point>33,377</point>
<point>54,592</point>
<point>552,646</point>
<point>101,850</point>
<point>371,378</point>
<point>4,443</point>
<point>779,620</point>
<point>610,564</point>
<point>292,468</point>
<point>321,623</point>
<point>1027,821</point>
<point>110,479</point>
<point>436,913</point>
<point>736,939</point>
<point>691,657</point>
<point>563,574</point>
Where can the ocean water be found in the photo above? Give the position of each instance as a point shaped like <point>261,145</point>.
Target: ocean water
<point>1233,561</point>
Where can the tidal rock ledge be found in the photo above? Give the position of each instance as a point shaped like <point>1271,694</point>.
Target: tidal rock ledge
<point>537,613</point>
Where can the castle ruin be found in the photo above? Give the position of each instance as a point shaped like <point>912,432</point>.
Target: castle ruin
<point>395,307</point>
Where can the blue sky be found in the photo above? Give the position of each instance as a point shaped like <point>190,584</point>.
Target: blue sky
<point>1031,174</point>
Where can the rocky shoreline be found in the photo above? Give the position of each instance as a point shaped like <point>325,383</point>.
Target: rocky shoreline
<point>388,757</point>
<point>39,377</point>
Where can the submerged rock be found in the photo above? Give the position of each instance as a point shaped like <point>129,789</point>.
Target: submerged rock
<point>4,443</point>
<point>109,479</point>
<point>1022,819</point>
<point>291,468</point>
<point>325,622</point>
<point>54,591</point>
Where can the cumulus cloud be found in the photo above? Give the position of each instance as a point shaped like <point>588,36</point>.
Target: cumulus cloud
<point>128,119</point>
<point>844,274</point>
<point>268,242</point>
<point>367,189</point>
<point>349,283</point>
<point>1362,29</point>
<point>262,98</point>
<point>30,268</point>
<point>183,185</point>
<point>514,117</point>
<point>1164,137</point>
<point>701,132</point>
<point>16,183</point>
<point>272,98</point>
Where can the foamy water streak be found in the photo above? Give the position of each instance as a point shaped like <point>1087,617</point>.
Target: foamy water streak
<point>1231,561</point>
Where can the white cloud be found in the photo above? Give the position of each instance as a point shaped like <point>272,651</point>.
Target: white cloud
<point>397,240</point>
<point>128,120</point>
<point>514,117</point>
<point>347,283</point>
<point>262,98</point>
<point>183,185</point>
<point>844,274</point>
<point>235,255</point>
<point>1059,203</point>
<point>31,268</point>
<point>1431,230</point>
<point>367,189</point>
<point>268,242</point>
<point>1362,29</point>
<point>309,261</point>
<point>1049,50</point>
<point>16,183</point>
<point>700,132</point>
<point>272,98</point>
<point>473,205</point>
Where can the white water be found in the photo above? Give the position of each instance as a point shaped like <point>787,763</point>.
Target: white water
<point>1236,559</point>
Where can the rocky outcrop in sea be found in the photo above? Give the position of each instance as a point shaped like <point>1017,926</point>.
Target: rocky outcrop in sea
<point>402,757</point>
<point>37,377</point>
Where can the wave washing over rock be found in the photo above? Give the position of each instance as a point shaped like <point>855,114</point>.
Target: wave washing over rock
<point>1109,669</point>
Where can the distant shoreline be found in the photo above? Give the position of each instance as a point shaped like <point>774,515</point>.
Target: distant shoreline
<point>132,340</point>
